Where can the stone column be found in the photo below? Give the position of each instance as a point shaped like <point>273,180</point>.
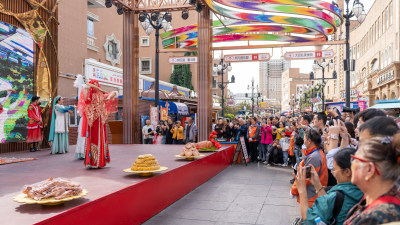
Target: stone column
<point>204,104</point>
<point>131,125</point>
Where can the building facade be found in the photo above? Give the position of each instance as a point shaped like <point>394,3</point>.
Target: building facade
<point>293,84</point>
<point>91,44</point>
<point>270,77</point>
<point>375,48</point>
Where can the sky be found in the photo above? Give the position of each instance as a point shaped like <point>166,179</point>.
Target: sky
<point>244,71</point>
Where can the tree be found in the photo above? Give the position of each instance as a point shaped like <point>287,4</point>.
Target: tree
<point>182,76</point>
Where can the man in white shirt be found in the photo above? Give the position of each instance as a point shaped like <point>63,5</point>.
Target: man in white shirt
<point>148,132</point>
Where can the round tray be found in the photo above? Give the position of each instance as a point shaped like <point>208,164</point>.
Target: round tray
<point>23,198</point>
<point>189,158</point>
<point>145,173</point>
<point>207,150</point>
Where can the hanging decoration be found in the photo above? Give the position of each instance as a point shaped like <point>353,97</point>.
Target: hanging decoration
<point>263,20</point>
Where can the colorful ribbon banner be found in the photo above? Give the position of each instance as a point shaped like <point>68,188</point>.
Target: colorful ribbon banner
<point>266,20</point>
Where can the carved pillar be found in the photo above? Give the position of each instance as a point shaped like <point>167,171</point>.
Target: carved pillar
<point>131,126</point>
<point>204,104</point>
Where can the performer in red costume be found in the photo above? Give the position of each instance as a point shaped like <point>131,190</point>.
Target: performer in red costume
<point>35,124</point>
<point>94,106</point>
<point>212,137</point>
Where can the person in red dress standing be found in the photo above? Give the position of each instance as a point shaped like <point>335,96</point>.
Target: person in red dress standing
<point>35,124</point>
<point>94,106</point>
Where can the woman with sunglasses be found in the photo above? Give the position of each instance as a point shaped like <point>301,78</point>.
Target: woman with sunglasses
<point>375,170</point>
<point>325,205</point>
<point>315,156</point>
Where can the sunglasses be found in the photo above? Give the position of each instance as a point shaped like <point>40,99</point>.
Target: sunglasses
<point>364,161</point>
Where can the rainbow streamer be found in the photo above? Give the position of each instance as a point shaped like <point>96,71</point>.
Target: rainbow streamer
<point>313,20</point>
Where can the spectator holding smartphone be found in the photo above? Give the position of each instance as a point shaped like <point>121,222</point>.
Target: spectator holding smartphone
<point>314,155</point>
<point>331,205</point>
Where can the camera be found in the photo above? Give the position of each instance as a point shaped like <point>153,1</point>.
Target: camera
<point>350,110</point>
<point>308,172</point>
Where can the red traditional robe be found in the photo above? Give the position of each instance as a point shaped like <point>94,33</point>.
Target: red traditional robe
<point>34,128</point>
<point>94,106</point>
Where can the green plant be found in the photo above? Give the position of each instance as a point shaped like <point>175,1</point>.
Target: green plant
<point>182,76</point>
<point>230,116</point>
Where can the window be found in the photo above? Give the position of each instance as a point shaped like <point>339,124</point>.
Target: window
<point>112,47</point>
<point>375,65</point>
<point>383,22</point>
<point>144,41</point>
<point>214,84</point>
<point>74,118</point>
<point>112,50</point>
<point>379,26</point>
<point>391,13</point>
<point>90,27</point>
<point>387,18</point>
<point>358,51</point>
<point>145,66</point>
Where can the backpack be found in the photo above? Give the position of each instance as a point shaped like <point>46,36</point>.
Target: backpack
<point>338,205</point>
<point>299,141</point>
<point>336,209</point>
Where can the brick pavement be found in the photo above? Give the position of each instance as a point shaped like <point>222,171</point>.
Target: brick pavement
<point>255,194</point>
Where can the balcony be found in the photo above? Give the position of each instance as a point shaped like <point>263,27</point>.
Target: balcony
<point>96,3</point>
<point>91,45</point>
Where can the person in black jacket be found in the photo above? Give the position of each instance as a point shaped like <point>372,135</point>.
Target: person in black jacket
<point>274,154</point>
<point>169,134</point>
<point>219,128</point>
<point>228,134</point>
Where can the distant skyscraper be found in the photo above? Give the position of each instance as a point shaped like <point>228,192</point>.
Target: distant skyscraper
<point>271,77</point>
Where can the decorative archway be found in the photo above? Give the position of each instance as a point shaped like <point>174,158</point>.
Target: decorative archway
<point>295,21</point>
<point>38,18</point>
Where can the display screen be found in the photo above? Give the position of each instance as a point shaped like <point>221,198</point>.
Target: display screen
<point>16,72</point>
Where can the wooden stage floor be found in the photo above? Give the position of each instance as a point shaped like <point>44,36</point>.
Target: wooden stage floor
<point>99,182</point>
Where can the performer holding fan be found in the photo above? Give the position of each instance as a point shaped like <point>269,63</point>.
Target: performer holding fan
<point>94,106</point>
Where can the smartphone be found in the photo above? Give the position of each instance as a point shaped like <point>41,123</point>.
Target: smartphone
<point>308,172</point>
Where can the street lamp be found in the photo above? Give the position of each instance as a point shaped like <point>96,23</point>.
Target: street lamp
<point>312,91</point>
<point>292,103</point>
<point>156,21</point>
<point>323,65</point>
<point>252,88</point>
<point>359,12</point>
<point>221,67</point>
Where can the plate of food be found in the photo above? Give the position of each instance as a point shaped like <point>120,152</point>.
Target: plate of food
<point>53,191</point>
<point>145,165</point>
<point>189,152</point>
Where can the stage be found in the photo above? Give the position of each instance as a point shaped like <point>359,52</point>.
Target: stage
<point>114,197</point>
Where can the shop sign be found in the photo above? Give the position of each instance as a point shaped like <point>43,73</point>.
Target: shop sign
<point>309,55</point>
<point>183,60</point>
<point>154,116</point>
<point>388,76</point>
<point>104,74</point>
<point>247,57</point>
